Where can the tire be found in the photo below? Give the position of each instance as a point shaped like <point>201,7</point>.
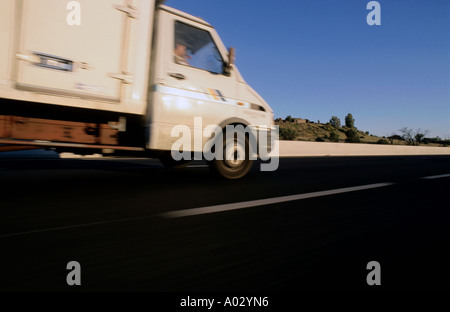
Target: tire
<point>230,167</point>
<point>170,163</point>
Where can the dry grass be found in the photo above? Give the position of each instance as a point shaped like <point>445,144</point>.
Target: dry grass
<point>312,131</point>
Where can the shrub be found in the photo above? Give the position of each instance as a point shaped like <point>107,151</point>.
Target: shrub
<point>289,134</point>
<point>319,139</point>
<point>382,141</point>
<point>352,136</point>
<point>334,137</point>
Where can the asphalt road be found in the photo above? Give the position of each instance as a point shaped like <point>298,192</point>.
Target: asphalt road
<point>134,226</point>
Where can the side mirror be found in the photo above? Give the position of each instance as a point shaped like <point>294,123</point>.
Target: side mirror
<point>230,63</point>
<point>231,56</point>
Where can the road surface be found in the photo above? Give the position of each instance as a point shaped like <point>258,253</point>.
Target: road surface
<point>313,224</point>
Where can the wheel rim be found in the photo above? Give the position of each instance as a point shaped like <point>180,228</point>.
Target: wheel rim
<point>234,155</point>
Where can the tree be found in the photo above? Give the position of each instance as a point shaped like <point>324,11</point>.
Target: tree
<point>435,140</point>
<point>335,122</point>
<point>393,137</point>
<point>289,119</point>
<point>349,121</point>
<point>412,137</point>
<point>407,135</point>
<point>352,136</point>
<point>420,136</point>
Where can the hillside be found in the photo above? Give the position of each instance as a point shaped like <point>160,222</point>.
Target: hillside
<point>318,132</point>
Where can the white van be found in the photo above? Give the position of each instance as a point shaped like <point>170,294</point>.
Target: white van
<point>118,75</point>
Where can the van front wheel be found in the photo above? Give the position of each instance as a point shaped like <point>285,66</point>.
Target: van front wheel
<point>236,161</point>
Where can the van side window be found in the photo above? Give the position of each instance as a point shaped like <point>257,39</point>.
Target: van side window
<point>196,48</point>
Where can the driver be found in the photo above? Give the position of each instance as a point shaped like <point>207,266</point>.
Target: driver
<point>181,53</point>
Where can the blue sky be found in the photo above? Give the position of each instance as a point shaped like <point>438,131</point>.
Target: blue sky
<point>318,58</point>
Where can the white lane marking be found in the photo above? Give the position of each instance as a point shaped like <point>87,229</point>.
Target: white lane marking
<point>267,201</point>
<point>437,176</point>
<point>211,209</point>
<point>197,166</point>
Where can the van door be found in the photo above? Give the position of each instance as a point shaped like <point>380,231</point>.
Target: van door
<point>191,81</point>
<point>73,48</point>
